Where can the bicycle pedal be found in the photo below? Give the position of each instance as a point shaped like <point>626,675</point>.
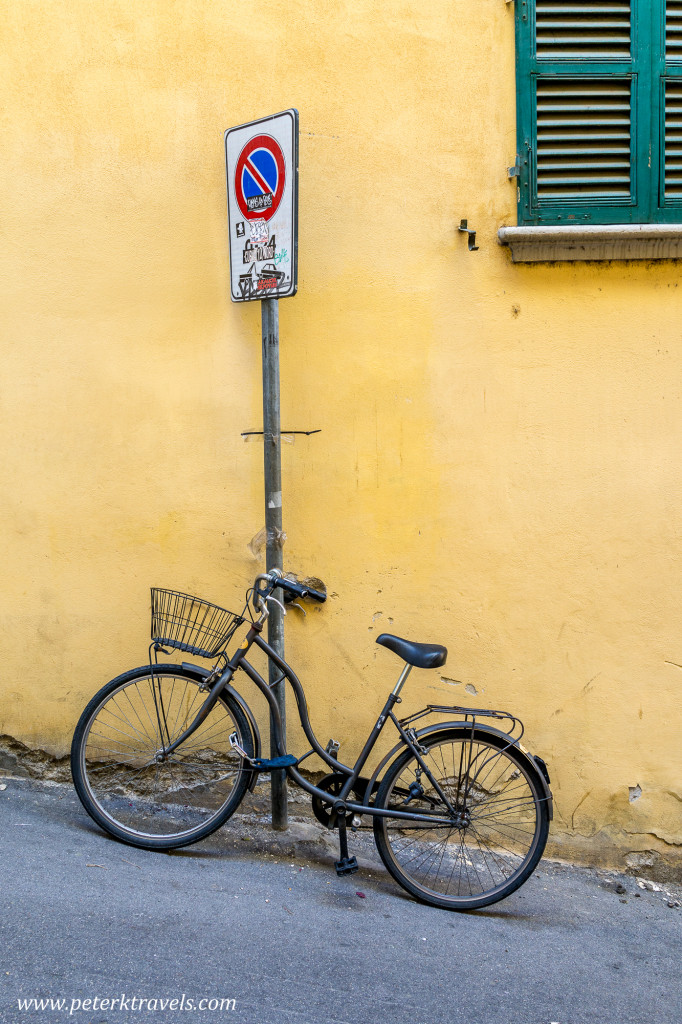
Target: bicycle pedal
<point>332,749</point>
<point>346,866</point>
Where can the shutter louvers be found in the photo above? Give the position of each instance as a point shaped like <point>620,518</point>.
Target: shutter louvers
<point>673,138</point>
<point>673,30</point>
<point>583,138</point>
<point>598,29</point>
<point>672,131</point>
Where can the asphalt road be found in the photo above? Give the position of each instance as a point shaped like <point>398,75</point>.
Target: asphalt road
<point>262,919</point>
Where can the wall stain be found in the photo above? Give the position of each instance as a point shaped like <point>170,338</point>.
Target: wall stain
<point>589,683</point>
<point>580,802</point>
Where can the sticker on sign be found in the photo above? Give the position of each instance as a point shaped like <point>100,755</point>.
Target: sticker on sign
<point>262,206</point>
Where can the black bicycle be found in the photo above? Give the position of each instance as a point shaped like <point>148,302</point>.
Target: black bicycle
<point>163,755</point>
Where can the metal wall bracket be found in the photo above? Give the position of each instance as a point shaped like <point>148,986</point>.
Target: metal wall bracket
<point>256,433</point>
<point>464,226</point>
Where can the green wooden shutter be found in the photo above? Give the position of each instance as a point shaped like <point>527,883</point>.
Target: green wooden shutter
<point>672,186</point>
<point>599,103</point>
<point>583,141</point>
<point>670,64</point>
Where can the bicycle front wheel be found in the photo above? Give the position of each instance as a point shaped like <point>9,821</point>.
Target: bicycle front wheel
<point>499,820</point>
<point>139,797</point>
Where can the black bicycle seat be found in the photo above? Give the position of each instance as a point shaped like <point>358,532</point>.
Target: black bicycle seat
<point>419,655</point>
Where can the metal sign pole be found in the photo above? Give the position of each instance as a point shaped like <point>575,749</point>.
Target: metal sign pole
<point>273,530</point>
<point>261,160</point>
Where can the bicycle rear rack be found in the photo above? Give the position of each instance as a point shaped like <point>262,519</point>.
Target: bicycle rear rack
<point>470,715</point>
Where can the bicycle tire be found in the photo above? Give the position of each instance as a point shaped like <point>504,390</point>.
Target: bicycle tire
<point>503,825</point>
<point>130,795</point>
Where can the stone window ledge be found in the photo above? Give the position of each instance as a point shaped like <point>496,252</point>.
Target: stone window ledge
<point>603,242</point>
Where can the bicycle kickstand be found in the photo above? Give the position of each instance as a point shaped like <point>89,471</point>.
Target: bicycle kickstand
<point>345,865</point>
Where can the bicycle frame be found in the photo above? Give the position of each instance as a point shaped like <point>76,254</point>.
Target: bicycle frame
<point>460,819</point>
<point>339,801</point>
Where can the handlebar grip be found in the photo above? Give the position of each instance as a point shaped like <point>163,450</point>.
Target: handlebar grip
<point>301,590</point>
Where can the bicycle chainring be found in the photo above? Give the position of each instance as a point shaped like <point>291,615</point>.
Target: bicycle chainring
<point>332,784</point>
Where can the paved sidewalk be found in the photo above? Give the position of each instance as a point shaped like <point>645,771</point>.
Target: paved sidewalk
<point>261,918</point>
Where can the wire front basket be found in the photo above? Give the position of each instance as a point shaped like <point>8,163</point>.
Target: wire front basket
<point>190,624</point>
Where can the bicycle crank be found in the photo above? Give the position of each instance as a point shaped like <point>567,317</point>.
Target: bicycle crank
<point>332,784</point>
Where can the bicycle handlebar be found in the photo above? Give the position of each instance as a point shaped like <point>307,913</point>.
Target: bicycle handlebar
<point>276,579</point>
<point>301,590</point>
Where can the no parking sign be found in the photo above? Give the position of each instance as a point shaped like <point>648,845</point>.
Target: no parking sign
<point>262,207</point>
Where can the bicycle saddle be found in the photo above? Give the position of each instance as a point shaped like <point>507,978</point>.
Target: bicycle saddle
<point>419,655</point>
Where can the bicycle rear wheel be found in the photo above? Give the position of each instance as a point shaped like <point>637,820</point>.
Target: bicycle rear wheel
<point>500,820</point>
<point>159,804</point>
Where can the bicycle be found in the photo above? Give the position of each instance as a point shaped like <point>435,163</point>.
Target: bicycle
<point>163,755</point>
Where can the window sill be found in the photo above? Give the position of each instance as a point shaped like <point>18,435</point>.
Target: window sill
<point>603,242</point>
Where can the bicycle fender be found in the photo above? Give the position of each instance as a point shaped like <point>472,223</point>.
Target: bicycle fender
<point>444,726</point>
<point>199,670</point>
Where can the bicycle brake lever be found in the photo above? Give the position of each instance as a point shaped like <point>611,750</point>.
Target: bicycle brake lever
<point>271,598</point>
<point>295,604</point>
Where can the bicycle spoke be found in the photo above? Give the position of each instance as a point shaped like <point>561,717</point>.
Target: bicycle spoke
<point>204,736</point>
<point>176,731</point>
<point>124,721</point>
<point>127,696</point>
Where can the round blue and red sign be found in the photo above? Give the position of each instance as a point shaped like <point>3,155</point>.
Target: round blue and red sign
<point>259,178</point>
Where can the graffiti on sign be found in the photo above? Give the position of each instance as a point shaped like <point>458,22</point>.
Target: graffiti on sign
<point>253,253</point>
<point>267,282</point>
<point>262,193</point>
<point>259,231</point>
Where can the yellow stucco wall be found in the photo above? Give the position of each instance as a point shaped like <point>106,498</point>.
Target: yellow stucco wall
<point>498,466</point>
